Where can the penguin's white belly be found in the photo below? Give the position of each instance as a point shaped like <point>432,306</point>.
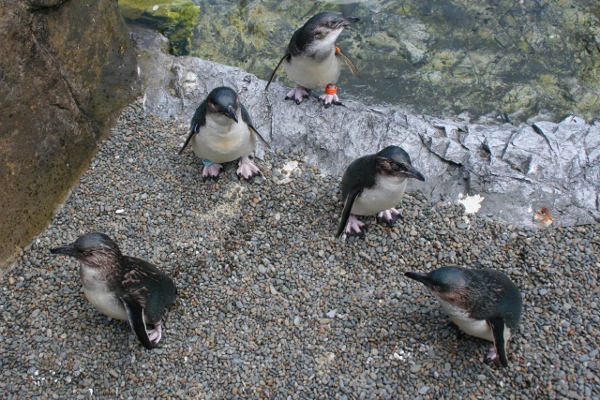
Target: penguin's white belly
<point>312,74</point>
<point>107,303</point>
<point>386,193</point>
<point>97,293</point>
<point>223,143</point>
<point>468,325</point>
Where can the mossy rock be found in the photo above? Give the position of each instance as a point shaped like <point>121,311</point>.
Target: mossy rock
<point>175,19</point>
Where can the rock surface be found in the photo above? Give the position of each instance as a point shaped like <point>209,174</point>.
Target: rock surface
<point>67,71</point>
<point>271,305</point>
<point>524,60</point>
<point>516,169</point>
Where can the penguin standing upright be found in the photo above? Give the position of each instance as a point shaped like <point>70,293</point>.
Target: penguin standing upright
<point>122,287</point>
<point>222,131</point>
<point>481,302</point>
<point>375,184</point>
<point>313,60</point>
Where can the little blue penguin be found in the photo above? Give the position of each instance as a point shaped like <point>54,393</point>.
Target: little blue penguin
<point>481,302</point>
<point>375,184</point>
<point>313,60</point>
<point>122,287</point>
<point>222,131</point>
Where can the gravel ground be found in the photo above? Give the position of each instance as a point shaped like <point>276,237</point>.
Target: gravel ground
<point>272,305</point>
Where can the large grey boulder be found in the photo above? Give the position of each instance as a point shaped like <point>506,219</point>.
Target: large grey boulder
<point>516,169</point>
<point>67,68</point>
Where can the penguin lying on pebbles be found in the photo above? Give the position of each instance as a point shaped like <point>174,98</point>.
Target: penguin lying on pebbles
<point>481,302</point>
<point>122,287</point>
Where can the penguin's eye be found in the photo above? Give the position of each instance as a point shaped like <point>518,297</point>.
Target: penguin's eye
<point>395,167</point>
<point>319,33</point>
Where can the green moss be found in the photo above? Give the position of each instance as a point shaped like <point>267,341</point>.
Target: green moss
<point>176,19</point>
<point>443,59</point>
<point>519,97</point>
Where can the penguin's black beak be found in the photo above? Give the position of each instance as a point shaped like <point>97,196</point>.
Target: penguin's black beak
<point>66,250</point>
<point>413,173</point>
<point>348,21</point>
<point>232,113</point>
<point>418,277</point>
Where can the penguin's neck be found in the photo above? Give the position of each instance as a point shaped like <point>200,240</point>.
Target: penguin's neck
<point>462,319</point>
<point>219,124</point>
<point>100,272</point>
<point>320,50</point>
<point>222,139</point>
<point>320,53</point>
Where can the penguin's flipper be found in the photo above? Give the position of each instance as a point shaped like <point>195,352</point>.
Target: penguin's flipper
<point>135,314</point>
<point>347,61</point>
<point>347,208</point>
<point>198,120</point>
<point>258,135</point>
<point>286,56</point>
<point>248,121</point>
<point>192,133</point>
<point>497,326</point>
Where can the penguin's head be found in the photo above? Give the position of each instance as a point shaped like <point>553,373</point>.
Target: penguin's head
<point>442,280</point>
<point>95,249</point>
<point>325,27</point>
<point>394,161</point>
<point>223,101</point>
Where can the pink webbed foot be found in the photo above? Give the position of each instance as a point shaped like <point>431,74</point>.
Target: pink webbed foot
<point>389,216</point>
<point>155,334</point>
<point>298,94</point>
<point>330,96</point>
<point>354,227</point>
<point>211,171</point>
<point>492,356</point>
<point>247,169</point>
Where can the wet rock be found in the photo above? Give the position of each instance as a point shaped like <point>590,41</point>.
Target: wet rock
<point>510,60</point>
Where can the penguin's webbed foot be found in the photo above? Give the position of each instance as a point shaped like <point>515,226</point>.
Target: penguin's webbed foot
<point>247,169</point>
<point>389,216</point>
<point>298,94</point>
<point>211,171</point>
<point>492,356</point>
<point>354,227</point>
<point>155,334</point>
<point>330,97</point>
<point>330,100</point>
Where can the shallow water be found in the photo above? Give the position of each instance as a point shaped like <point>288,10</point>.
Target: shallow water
<point>474,60</point>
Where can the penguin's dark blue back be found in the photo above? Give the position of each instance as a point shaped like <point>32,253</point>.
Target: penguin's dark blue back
<point>359,174</point>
